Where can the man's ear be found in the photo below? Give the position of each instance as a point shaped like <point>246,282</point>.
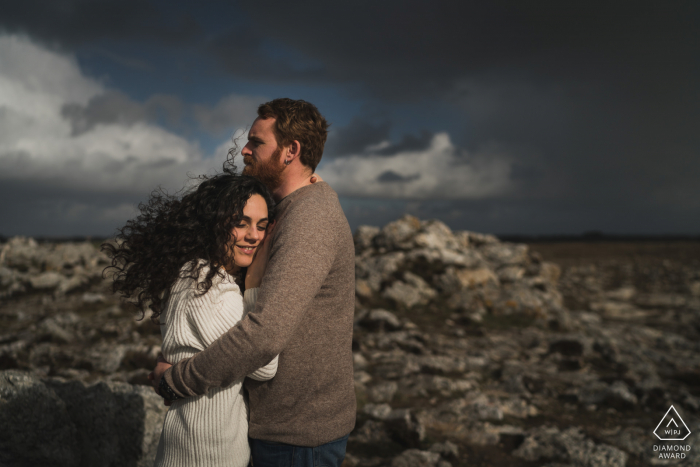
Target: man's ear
<point>293,150</point>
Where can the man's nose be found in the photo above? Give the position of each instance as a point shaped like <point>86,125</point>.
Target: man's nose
<point>246,150</point>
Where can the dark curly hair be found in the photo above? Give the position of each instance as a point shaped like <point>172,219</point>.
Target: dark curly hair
<point>173,231</point>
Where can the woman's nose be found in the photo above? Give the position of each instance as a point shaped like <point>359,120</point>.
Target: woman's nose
<point>253,234</point>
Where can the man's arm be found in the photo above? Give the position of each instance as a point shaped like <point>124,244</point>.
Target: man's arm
<point>302,254</point>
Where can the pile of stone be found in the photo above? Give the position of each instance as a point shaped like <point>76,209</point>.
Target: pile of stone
<point>27,266</point>
<point>410,263</point>
<point>467,351</point>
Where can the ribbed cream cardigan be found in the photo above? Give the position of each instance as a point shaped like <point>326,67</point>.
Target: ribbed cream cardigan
<point>209,430</point>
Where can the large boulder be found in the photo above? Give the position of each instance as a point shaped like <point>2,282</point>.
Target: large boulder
<point>54,422</point>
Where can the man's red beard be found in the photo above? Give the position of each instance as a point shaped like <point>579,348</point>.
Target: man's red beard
<point>270,172</point>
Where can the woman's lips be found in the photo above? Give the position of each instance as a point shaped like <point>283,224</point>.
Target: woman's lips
<point>246,249</point>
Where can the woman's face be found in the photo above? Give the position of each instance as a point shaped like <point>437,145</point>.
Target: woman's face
<point>250,231</point>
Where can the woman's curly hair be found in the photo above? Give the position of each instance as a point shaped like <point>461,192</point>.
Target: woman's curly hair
<point>172,231</point>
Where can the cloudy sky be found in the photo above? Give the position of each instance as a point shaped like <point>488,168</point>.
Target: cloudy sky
<point>540,117</point>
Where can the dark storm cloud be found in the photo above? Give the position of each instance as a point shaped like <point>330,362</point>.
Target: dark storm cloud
<point>365,136</point>
<point>408,143</point>
<point>74,22</point>
<point>116,107</point>
<point>390,176</point>
<point>597,101</point>
<point>355,137</point>
<point>402,47</point>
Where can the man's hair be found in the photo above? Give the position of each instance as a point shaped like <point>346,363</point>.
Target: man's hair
<point>298,120</point>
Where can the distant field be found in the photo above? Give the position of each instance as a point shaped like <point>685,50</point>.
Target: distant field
<point>580,252</point>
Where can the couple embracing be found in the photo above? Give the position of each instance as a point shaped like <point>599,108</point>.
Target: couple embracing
<point>252,280</point>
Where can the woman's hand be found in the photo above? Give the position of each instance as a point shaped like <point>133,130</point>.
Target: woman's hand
<point>256,270</point>
<point>315,178</point>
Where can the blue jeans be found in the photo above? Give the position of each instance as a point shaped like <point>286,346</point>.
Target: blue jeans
<point>268,454</point>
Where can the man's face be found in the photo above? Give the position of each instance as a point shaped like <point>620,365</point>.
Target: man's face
<point>261,154</point>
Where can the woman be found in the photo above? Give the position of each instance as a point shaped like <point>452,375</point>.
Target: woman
<point>188,259</point>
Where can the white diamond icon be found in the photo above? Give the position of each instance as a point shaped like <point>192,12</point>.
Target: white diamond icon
<point>672,427</point>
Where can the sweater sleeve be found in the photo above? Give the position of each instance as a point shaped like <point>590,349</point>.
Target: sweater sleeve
<point>268,371</point>
<point>302,254</point>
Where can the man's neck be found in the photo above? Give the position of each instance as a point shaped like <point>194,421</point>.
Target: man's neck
<point>290,185</point>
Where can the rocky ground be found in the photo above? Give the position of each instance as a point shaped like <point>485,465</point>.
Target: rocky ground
<point>468,350</point>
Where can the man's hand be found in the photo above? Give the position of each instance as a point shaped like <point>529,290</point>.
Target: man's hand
<point>157,374</point>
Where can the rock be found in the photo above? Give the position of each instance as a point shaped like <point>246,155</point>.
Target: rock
<point>567,347</point>
<point>72,254</point>
<point>362,377</point>
<point>416,458</point>
<point>126,419</point>
<point>619,396</point>
<point>21,253</point>
<point>660,300</point>
<point>435,235</point>
<point>483,409</point>
<point>511,273</point>
<point>371,432</point>
<point>447,450</point>
<point>376,269</point>
<point>622,294</point>
<point>51,329</point>
<point>414,291</point>
<point>382,320</point>
<point>35,426</point>
<point>505,254</point>
<point>398,235</point>
<point>486,434</point>
<point>550,272</point>
<point>618,310</point>
<point>479,239</point>
<point>359,361</point>
<point>378,411</point>
<point>569,446</point>
<point>54,422</point>
<point>383,392</point>
<point>440,364</point>
<point>363,289</point>
<point>46,280</point>
<point>405,428</point>
<point>474,277</point>
<point>364,238</point>
<point>694,288</point>
<point>435,259</point>
<point>93,297</point>
<point>616,395</point>
<point>76,281</point>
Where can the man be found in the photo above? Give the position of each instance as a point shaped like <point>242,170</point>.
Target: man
<point>304,310</point>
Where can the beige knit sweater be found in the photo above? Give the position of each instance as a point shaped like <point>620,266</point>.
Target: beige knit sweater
<point>212,429</point>
<point>304,313</point>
